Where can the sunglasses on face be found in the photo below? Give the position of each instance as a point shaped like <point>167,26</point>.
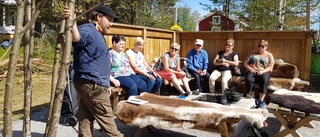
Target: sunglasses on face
<point>174,49</point>
<point>228,45</point>
<point>261,46</point>
<point>198,45</point>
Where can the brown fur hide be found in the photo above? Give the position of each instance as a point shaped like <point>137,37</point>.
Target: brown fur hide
<point>167,112</point>
<point>301,101</point>
<point>283,76</point>
<point>281,69</point>
<point>284,70</point>
<point>274,82</point>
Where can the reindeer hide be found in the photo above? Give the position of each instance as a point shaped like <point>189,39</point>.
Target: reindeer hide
<point>301,101</point>
<point>167,112</point>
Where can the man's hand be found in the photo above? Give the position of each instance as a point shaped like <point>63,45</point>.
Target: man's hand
<point>199,72</point>
<point>66,12</point>
<point>204,72</point>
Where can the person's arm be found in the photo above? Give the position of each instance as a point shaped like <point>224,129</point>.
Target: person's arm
<point>206,61</point>
<point>114,81</point>
<point>235,61</point>
<point>247,66</point>
<point>150,69</point>
<point>269,68</point>
<point>134,66</point>
<point>189,62</point>
<point>220,62</point>
<point>215,61</point>
<point>75,31</point>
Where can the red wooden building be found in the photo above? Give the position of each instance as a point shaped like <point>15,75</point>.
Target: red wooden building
<point>216,21</point>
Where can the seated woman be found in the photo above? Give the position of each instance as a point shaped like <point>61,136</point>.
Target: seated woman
<point>259,64</point>
<point>168,67</point>
<point>141,67</point>
<point>121,73</point>
<point>224,63</point>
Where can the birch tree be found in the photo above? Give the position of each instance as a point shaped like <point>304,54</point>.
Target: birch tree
<point>20,30</point>
<point>28,53</point>
<point>61,83</point>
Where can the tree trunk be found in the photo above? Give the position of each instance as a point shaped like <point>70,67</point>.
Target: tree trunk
<point>282,5</point>
<point>60,43</point>
<point>18,34</point>
<point>61,84</point>
<point>7,111</point>
<point>28,52</point>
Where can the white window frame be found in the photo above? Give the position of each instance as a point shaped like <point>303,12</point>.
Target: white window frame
<point>216,20</point>
<point>216,28</point>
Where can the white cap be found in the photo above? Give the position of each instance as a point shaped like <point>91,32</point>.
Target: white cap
<point>199,42</point>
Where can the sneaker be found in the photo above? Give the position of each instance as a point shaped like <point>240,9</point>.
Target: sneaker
<point>187,94</point>
<point>196,92</point>
<point>260,105</point>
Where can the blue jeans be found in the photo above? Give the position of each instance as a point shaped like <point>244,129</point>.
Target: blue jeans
<point>132,85</point>
<point>152,85</point>
<point>197,79</point>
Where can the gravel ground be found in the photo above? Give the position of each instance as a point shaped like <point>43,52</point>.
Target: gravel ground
<point>39,123</point>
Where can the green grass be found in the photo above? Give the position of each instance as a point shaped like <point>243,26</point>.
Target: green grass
<point>41,84</point>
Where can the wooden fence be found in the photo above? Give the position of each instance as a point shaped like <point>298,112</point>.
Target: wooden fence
<point>290,46</point>
<point>157,41</point>
<point>5,37</point>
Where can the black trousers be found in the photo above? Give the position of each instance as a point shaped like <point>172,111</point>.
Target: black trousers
<point>262,80</point>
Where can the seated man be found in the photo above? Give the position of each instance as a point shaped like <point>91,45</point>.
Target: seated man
<point>197,63</point>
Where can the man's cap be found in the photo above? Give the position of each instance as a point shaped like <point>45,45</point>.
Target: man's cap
<point>106,10</point>
<point>199,42</point>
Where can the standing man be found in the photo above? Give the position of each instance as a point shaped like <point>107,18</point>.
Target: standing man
<point>92,72</point>
<point>197,64</point>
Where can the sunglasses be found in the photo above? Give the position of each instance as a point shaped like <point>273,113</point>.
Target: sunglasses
<point>228,45</point>
<point>174,49</point>
<point>261,46</point>
<point>198,45</point>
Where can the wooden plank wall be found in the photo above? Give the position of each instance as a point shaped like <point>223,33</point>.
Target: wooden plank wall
<point>290,46</point>
<point>157,41</point>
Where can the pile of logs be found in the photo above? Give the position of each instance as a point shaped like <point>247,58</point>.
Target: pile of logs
<point>38,67</point>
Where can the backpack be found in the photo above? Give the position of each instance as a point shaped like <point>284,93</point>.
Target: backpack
<point>257,132</point>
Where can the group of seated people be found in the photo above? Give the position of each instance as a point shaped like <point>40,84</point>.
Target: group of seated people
<point>131,71</point>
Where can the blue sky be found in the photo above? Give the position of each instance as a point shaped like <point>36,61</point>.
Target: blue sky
<point>194,5</point>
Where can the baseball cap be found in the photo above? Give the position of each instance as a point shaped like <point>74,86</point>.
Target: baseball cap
<point>106,10</point>
<point>199,42</point>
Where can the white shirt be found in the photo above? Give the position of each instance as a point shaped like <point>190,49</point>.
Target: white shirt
<point>138,59</point>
